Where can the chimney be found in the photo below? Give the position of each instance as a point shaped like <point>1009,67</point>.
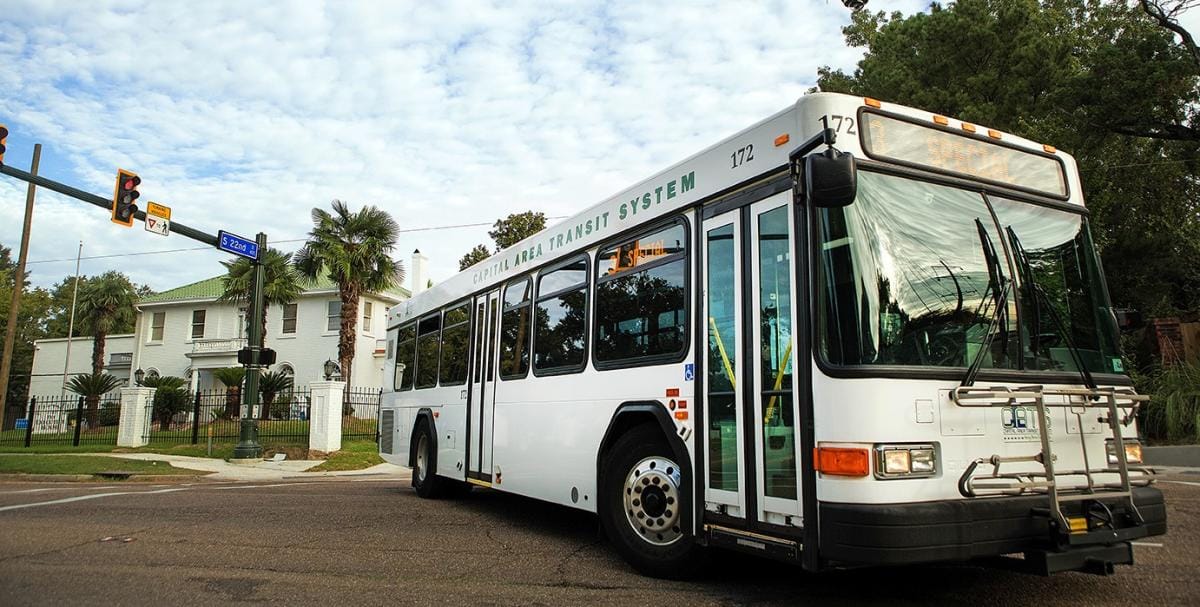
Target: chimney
<point>417,272</point>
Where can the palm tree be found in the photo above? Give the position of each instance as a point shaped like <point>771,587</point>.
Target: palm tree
<point>105,302</point>
<point>270,385</point>
<point>170,397</point>
<point>91,387</point>
<point>281,284</point>
<point>232,377</point>
<point>354,251</point>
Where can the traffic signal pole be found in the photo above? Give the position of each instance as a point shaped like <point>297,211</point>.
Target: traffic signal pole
<point>248,446</point>
<point>10,331</point>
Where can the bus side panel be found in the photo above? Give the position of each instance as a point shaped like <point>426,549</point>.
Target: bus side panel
<point>548,430</point>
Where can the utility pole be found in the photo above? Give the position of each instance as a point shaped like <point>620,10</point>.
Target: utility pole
<point>71,323</point>
<point>248,446</point>
<point>10,334</point>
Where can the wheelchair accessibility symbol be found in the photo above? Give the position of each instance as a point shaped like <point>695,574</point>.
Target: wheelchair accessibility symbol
<point>689,372</point>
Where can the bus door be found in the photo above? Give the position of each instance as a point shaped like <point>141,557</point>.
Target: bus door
<point>752,453</point>
<point>482,394</point>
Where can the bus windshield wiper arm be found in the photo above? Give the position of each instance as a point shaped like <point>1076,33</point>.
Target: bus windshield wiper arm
<point>1039,295</point>
<point>999,291</point>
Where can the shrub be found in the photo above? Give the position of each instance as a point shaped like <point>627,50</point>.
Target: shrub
<point>110,413</point>
<point>1173,413</point>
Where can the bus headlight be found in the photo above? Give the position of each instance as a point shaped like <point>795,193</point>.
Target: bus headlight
<point>1133,451</point>
<point>905,461</point>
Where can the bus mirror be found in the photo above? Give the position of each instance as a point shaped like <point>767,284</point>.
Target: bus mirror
<point>831,178</point>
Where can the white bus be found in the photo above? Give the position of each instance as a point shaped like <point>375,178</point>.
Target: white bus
<point>854,333</point>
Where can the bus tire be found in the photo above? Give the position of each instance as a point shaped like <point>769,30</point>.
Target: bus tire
<point>642,501</point>
<point>424,473</point>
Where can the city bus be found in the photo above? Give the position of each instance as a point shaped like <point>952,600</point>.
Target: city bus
<point>853,334</point>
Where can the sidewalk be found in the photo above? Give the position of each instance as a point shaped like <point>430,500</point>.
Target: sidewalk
<point>265,470</point>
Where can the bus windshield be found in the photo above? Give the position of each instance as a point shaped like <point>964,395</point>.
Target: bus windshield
<point>904,279</point>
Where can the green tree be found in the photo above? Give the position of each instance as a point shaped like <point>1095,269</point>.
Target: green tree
<point>58,318</point>
<point>1101,80</point>
<point>31,325</point>
<point>91,387</point>
<point>270,386</point>
<point>231,378</point>
<point>474,256</point>
<point>281,283</point>
<point>354,250</point>
<point>170,397</point>
<point>106,304</point>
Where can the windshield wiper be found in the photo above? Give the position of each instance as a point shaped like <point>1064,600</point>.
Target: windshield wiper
<point>1039,295</point>
<point>999,292</point>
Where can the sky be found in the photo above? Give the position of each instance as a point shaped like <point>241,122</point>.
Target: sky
<point>243,116</point>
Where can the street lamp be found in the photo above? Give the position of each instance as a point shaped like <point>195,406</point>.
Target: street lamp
<point>138,376</point>
<point>331,369</point>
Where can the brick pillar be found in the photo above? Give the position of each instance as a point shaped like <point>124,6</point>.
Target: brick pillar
<point>1168,340</point>
<point>325,416</point>
<point>135,416</point>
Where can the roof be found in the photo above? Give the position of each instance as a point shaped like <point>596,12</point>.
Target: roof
<point>211,288</point>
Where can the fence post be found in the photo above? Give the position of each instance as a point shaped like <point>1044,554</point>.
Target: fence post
<point>135,423</point>
<point>29,426</point>
<point>378,414</point>
<point>325,416</point>
<point>78,420</point>
<point>196,419</point>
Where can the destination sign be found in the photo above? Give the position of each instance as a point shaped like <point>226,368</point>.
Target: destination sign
<point>893,139</point>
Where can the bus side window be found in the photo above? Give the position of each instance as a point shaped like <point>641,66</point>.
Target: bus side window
<point>428,335</point>
<point>560,319</point>
<point>514,330</point>
<point>406,343</point>
<point>455,331</point>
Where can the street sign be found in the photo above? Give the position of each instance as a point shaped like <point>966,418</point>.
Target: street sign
<point>158,225</point>
<point>238,245</point>
<point>159,210</point>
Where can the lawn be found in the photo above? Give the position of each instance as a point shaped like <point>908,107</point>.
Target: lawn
<point>73,464</point>
<point>356,455</point>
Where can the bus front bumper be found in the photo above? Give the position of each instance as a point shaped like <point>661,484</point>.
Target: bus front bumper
<point>953,530</point>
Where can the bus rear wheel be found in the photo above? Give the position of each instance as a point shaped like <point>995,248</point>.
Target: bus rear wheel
<point>424,473</point>
<point>642,489</point>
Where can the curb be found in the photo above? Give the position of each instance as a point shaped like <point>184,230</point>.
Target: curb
<point>88,478</point>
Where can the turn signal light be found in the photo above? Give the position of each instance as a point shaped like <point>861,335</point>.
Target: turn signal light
<point>842,461</point>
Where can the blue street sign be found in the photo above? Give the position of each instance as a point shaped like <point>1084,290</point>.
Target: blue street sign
<point>237,245</point>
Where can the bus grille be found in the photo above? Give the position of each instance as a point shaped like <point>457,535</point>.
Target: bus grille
<point>387,431</point>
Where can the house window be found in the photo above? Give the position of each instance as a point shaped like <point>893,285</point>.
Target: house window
<point>157,321</point>
<point>333,314</point>
<point>243,329</point>
<point>367,309</point>
<point>197,324</point>
<point>289,318</point>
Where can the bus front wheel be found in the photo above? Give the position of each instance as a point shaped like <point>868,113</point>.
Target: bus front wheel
<point>643,505</point>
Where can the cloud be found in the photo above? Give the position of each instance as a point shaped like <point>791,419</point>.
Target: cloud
<point>243,116</point>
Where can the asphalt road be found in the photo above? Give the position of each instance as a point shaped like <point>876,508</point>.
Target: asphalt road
<point>372,541</point>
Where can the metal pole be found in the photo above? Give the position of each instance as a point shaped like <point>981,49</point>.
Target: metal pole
<point>10,334</point>
<point>71,323</point>
<point>248,446</point>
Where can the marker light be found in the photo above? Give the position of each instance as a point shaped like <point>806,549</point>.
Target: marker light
<point>968,127</point>
<point>1133,451</point>
<point>842,461</point>
<point>872,102</point>
<point>1049,148</point>
<point>905,461</point>
<point>782,139</point>
<point>993,133</point>
<point>942,120</point>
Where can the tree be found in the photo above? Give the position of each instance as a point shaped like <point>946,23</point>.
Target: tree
<point>354,251</point>
<point>170,397</point>
<point>505,233</point>
<point>106,304</point>
<point>1103,81</point>
<point>31,325</point>
<point>59,315</point>
<point>474,256</point>
<point>270,385</point>
<point>91,387</point>
<point>281,283</point>
<point>231,378</point>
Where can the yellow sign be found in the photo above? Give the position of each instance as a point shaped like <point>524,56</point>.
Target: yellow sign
<point>158,210</point>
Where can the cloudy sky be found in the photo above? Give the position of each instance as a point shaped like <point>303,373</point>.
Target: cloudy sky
<point>245,115</point>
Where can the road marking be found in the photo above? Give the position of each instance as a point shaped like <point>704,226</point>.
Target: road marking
<point>258,486</point>
<point>1182,483</point>
<point>1147,544</point>
<point>80,498</point>
<point>69,488</point>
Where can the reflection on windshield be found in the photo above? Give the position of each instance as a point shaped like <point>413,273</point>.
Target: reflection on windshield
<point>904,280</point>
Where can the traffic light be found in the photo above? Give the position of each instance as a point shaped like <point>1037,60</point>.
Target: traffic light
<point>3,136</point>
<point>124,197</point>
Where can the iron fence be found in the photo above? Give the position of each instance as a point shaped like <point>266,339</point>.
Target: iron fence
<point>360,413</point>
<point>63,420</point>
<point>217,415</point>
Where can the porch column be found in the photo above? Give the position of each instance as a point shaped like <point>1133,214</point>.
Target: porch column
<point>325,416</point>
<point>135,416</point>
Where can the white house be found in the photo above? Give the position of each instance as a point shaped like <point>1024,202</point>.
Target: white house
<point>186,332</point>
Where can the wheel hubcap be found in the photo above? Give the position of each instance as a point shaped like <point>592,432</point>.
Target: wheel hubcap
<point>422,457</point>
<point>652,500</point>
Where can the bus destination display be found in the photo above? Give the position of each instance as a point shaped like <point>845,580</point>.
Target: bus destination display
<point>888,138</point>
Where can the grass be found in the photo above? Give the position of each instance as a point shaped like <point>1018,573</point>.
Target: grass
<point>356,455</point>
<point>70,464</point>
